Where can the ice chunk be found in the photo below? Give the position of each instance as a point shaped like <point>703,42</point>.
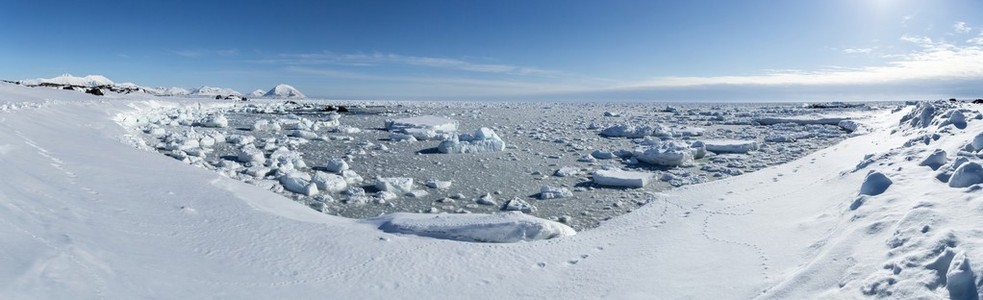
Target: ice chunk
<point>249,153</point>
<point>875,183</point>
<point>801,121</point>
<point>960,279</point>
<point>428,121</point>
<point>689,131</point>
<point>304,134</point>
<point>627,130</point>
<point>780,138</point>
<point>958,119</point>
<point>922,115</point>
<point>214,120</point>
<point>602,154</point>
<point>401,137</point>
<point>286,158</point>
<point>517,204</point>
<point>978,142</point>
<point>298,183</point>
<point>351,177</point>
<point>240,140</point>
<point>935,160</point>
<point>487,199</point>
<point>967,174</point>
<point>437,184</point>
<point>258,171</point>
<point>484,140</point>
<point>398,185</point>
<point>418,193</point>
<point>548,192</point>
<point>621,178</point>
<point>730,146</point>
<point>329,182</point>
<point>422,127</point>
<point>567,172</point>
<point>505,227</point>
<point>667,154</point>
<point>265,125</point>
<point>336,165</point>
<point>849,125</point>
<point>699,149</point>
<point>385,196</point>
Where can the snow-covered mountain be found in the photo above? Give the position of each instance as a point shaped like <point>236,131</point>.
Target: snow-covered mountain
<point>69,79</point>
<point>176,91</point>
<point>257,93</point>
<point>213,91</point>
<point>284,91</point>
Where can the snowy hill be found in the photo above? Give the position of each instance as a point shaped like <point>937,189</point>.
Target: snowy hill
<point>257,93</point>
<point>176,91</point>
<point>86,216</point>
<point>284,91</point>
<point>214,91</point>
<point>69,79</point>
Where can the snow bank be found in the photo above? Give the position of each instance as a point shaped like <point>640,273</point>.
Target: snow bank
<point>621,178</point>
<point>505,227</point>
<point>483,140</point>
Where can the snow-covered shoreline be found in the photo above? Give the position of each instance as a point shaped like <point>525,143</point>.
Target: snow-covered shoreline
<point>84,215</point>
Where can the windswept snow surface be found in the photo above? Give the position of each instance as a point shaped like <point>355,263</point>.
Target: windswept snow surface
<point>85,215</point>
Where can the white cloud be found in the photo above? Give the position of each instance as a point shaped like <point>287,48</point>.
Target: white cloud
<point>920,40</point>
<point>961,27</point>
<point>227,52</point>
<point>858,50</point>
<point>189,53</point>
<point>977,40</point>
<point>198,52</point>
<point>396,59</point>
<point>462,86</point>
<point>939,61</point>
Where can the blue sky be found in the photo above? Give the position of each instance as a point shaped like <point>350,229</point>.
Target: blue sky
<point>761,50</point>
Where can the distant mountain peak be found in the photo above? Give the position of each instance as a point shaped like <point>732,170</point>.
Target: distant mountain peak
<point>214,91</point>
<point>284,91</point>
<point>69,79</point>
